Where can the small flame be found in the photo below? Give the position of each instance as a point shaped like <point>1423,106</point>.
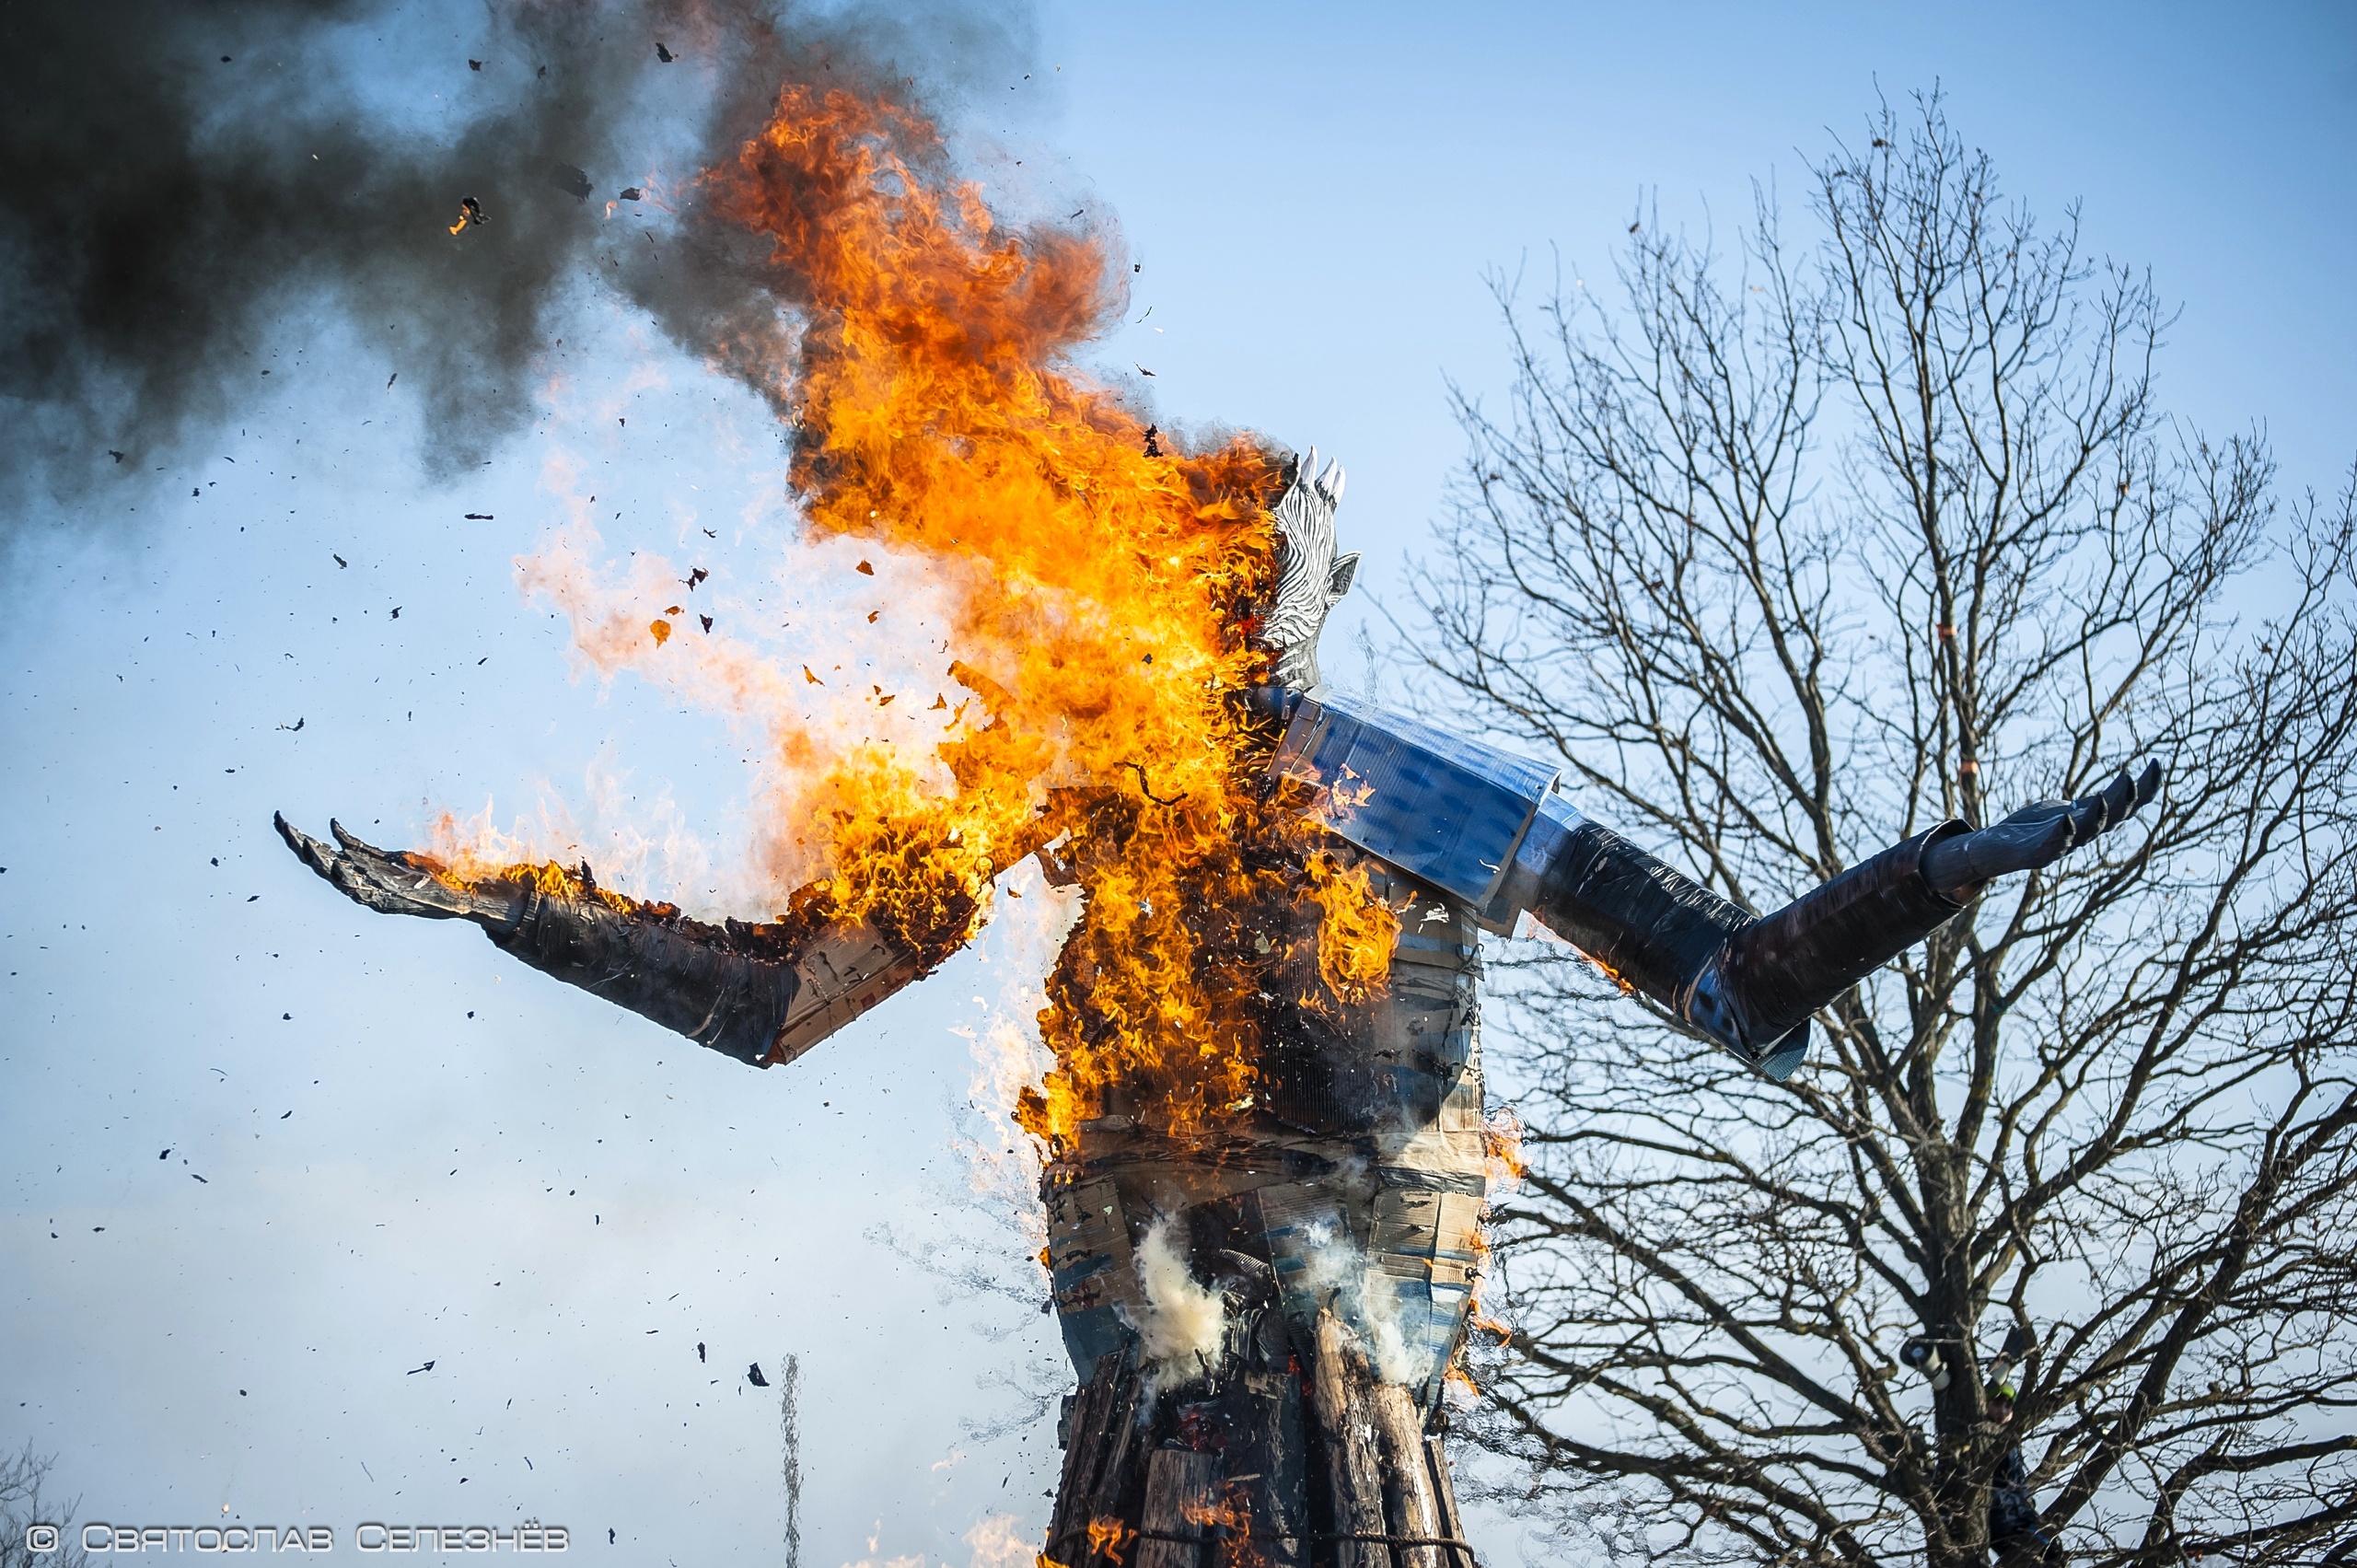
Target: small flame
<point>1615,976</point>
<point>1357,934</point>
<point>1501,1148</point>
<point>1229,1514</point>
<point>1478,1313</point>
<point>464,870</point>
<point>1109,1537</point>
<point>1232,1518</point>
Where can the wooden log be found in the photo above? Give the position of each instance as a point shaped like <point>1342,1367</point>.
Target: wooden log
<point>1263,1478</point>
<point>1409,1490</point>
<point>1096,1448</point>
<point>1181,1494</point>
<point>1120,1435</point>
<point>1452,1523</point>
<point>1353,1472</point>
<point>1081,1450</point>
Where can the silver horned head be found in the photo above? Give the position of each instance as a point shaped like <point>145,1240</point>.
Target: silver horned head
<point>1313,578</point>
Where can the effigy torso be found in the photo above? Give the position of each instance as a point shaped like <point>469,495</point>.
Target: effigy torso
<point>1354,1181</point>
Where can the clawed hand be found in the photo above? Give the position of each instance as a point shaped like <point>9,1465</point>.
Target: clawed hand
<point>398,882</point>
<point>2037,834</point>
<point>1313,491</point>
<point>1313,576</point>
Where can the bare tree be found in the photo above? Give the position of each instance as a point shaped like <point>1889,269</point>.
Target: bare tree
<point>23,1510</point>
<point>1803,551</point>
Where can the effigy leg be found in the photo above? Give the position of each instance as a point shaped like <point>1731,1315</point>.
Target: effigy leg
<point>1195,1478</point>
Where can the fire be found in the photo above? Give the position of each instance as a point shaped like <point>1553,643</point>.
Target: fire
<point>1231,1514</point>
<point>1479,1313</point>
<point>1502,1151</point>
<point>1356,932</point>
<point>1502,1144</point>
<point>1103,597</point>
<point>1615,976</point>
<point>1101,589</point>
<point>1108,1538</point>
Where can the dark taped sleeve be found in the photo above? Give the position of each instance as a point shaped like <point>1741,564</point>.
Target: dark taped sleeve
<point>699,980</point>
<point>1749,982</point>
<point>1644,922</point>
<point>1779,970</point>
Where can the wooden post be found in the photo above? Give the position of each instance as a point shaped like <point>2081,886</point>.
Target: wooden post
<point>1445,1494</point>
<point>1347,1426</point>
<point>1179,1494</point>
<point>1178,1464</point>
<point>1097,1451</point>
<point>1264,1482</point>
<point>1406,1467</point>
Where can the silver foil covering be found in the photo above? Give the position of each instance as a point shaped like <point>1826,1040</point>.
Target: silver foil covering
<point>1443,809</point>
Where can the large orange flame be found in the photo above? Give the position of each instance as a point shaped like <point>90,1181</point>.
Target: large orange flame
<point>1103,588</point>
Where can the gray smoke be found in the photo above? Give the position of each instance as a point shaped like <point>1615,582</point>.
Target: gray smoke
<point>179,180</point>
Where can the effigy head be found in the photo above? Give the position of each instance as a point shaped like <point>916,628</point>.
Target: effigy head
<point>1313,578</point>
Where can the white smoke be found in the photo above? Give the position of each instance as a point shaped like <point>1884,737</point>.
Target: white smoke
<point>1184,1326</point>
<point>998,1541</point>
<point>1338,1270</point>
<point>1029,924</point>
<point>1388,1342</point>
<point>1001,1541</point>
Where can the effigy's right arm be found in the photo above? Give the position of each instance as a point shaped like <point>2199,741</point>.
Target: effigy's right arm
<point>763,995</point>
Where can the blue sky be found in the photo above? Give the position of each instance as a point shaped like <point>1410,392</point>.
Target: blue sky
<point>1314,196</point>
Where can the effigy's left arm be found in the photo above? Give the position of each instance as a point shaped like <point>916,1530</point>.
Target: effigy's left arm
<point>1751,982</point>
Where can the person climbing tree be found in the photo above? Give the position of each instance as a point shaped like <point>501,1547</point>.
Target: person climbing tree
<point>2016,1536</point>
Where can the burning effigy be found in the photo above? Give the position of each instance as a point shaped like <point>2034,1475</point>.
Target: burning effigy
<point>1264,1141</point>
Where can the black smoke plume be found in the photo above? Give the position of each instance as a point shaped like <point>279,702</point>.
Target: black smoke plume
<point>185,187</point>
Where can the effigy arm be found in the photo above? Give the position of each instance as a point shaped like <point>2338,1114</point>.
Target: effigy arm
<point>2039,834</point>
<point>1751,982</point>
<point>760,993</point>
